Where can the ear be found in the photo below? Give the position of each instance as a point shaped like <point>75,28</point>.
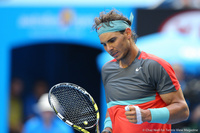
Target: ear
<point>128,32</point>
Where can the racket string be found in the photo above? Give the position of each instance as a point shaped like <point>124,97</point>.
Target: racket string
<point>75,106</point>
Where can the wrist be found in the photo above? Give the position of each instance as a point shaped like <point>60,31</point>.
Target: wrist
<point>106,131</point>
<point>159,115</point>
<point>147,116</point>
<point>107,123</point>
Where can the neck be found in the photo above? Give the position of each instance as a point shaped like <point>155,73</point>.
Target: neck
<point>130,57</point>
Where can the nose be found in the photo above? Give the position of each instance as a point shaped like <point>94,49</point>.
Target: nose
<point>109,47</point>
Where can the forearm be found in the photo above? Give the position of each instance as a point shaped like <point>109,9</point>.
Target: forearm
<point>171,114</point>
<point>177,106</point>
<point>178,112</point>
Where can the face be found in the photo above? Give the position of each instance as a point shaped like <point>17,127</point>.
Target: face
<point>116,44</point>
<point>47,115</point>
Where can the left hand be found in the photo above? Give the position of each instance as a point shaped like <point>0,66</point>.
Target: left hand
<point>131,115</point>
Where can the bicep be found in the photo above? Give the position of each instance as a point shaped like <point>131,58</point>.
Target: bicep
<point>173,97</point>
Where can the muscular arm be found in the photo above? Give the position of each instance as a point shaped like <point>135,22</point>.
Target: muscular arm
<point>175,104</point>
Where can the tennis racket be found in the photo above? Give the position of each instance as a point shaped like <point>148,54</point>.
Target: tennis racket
<point>75,106</point>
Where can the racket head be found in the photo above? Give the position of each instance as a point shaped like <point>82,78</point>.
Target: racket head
<point>74,105</point>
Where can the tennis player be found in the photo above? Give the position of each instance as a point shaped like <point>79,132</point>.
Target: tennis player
<point>142,91</point>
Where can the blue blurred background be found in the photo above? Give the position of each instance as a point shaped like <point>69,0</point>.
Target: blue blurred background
<point>47,42</point>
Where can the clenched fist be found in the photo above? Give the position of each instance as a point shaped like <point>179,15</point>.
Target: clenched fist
<point>137,115</point>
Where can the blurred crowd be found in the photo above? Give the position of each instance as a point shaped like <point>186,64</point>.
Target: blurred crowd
<point>31,113</point>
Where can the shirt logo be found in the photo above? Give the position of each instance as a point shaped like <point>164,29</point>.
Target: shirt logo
<point>137,69</point>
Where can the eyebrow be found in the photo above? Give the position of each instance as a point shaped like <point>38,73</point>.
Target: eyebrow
<point>108,40</point>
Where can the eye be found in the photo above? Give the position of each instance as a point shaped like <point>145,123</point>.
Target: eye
<point>112,40</point>
<point>104,44</point>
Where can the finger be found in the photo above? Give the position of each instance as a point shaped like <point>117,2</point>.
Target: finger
<point>131,117</point>
<point>130,113</point>
<point>133,121</point>
<point>131,108</point>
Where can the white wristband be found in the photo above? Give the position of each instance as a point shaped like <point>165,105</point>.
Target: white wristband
<point>138,114</point>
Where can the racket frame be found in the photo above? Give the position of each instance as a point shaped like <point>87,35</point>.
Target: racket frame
<point>78,128</point>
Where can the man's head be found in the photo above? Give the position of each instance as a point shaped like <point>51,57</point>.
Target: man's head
<point>44,108</point>
<point>114,31</point>
<point>113,21</point>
